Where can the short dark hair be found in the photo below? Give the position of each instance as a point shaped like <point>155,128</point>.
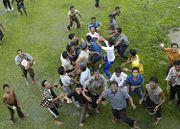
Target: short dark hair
<point>117,7</point>
<point>64,54</point>
<point>154,79</point>
<point>19,50</point>
<point>79,85</point>
<point>92,27</point>
<point>71,7</point>
<point>118,70</point>
<point>133,52</point>
<point>5,85</point>
<point>114,83</point>
<point>176,62</point>
<point>93,18</point>
<point>43,83</point>
<point>83,67</point>
<point>110,15</point>
<point>111,41</point>
<point>88,38</point>
<point>68,48</point>
<point>61,70</point>
<point>135,68</point>
<point>119,30</point>
<point>96,69</point>
<point>71,36</point>
<point>173,44</point>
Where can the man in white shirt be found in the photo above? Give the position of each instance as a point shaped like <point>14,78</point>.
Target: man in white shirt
<point>66,63</point>
<point>109,57</point>
<point>85,74</point>
<point>120,78</point>
<point>94,35</point>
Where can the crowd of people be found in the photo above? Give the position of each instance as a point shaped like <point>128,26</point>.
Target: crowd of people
<point>86,80</point>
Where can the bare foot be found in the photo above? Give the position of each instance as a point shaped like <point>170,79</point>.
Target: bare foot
<point>81,124</point>
<point>157,121</point>
<point>58,122</point>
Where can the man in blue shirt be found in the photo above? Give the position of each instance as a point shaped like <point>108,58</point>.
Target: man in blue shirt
<point>96,57</point>
<point>94,23</point>
<point>136,81</point>
<point>119,99</point>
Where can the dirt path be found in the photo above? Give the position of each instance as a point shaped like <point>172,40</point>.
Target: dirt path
<point>174,35</point>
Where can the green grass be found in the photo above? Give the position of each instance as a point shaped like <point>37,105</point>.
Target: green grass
<point>42,34</point>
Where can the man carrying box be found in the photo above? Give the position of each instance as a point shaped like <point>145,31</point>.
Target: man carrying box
<point>25,61</point>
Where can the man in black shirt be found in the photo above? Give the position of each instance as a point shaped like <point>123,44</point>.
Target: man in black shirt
<point>81,97</point>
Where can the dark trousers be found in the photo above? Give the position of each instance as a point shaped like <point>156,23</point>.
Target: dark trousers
<point>173,91</point>
<point>97,3</point>
<point>54,112</point>
<point>169,66</point>
<point>121,114</point>
<point>84,108</point>
<point>151,105</point>
<point>72,21</point>
<point>19,112</point>
<point>30,71</point>
<point>94,99</point>
<point>7,4</point>
<point>121,50</point>
<point>1,35</point>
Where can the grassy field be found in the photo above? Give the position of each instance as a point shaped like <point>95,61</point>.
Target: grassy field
<point>43,35</point>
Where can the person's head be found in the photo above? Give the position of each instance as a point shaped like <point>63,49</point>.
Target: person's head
<point>70,49</point>
<point>72,8</point>
<point>111,42</point>
<point>110,16</point>
<point>153,82</point>
<point>65,54</point>
<point>96,72</point>
<point>119,30</point>
<point>45,84</point>
<point>118,71</point>
<point>117,8</point>
<point>73,37</point>
<point>93,20</point>
<point>84,46</point>
<point>133,52</point>
<point>177,65</point>
<point>78,88</point>
<point>135,72</point>
<point>61,70</point>
<point>92,29</point>
<point>88,38</point>
<point>20,52</point>
<point>114,86</point>
<point>174,47</point>
<point>6,88</point>
<point>83,67</point>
